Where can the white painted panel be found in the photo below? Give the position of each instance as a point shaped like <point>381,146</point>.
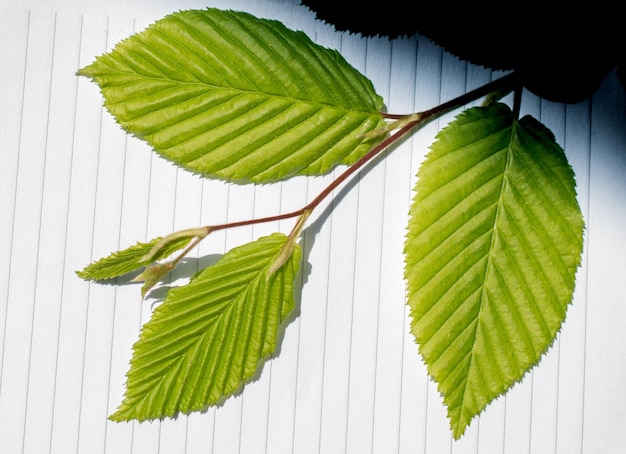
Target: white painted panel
<point>346,376</point>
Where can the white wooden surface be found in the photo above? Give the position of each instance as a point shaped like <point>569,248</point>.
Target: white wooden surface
<point>347,377</point>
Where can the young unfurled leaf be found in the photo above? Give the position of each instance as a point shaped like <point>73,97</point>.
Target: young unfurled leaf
<point>494,241</point>
<point>131,259</point>
<point>152,275</point>
<point>229,95</point>
<point>210,336</point>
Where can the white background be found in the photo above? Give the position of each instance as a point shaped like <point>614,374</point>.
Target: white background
<point>347,377</point>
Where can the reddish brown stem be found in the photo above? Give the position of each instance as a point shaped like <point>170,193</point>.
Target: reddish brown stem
<point>328,189</point>
<point>506,83</point>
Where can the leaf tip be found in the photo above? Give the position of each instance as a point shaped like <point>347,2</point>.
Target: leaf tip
<point>120,415</point>
<point>86,71</point>
<point>89,273</point>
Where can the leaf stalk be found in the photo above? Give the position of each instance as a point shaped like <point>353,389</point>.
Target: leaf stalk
<point>402,124</point>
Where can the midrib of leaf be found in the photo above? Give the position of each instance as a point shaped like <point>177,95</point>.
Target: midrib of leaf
<point>493,246</point>
<point>475,326</point>
<point>288,63</point>
<point>468,334</point>
<point>173,135</point>
<point>207,88</point>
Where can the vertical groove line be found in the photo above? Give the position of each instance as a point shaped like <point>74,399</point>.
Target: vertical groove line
<point>17,165</point>
<point>299,338</point>
<point>243,397</point>
<point>39,231</point>
<point>383,162</point>
<point>115,301</point>
<point>428,382</point>
<point>66,239</point>
<point>558,359</point>
<point>586,252</point>
<point>82,373</point>
<point>328,276</point>
<point>357,186</point>
<point>146,231</point>
<point>410,145</point>
<point>282,326</point>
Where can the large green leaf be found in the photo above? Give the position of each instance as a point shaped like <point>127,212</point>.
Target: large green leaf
<point>209,336</point>
<point>229,95</point>
<point>494,241</point>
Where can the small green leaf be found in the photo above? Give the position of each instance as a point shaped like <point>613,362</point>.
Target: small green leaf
<point>130,259</point>
<point>210,336</point>
<point>229,95</point>
<point>494,241</point>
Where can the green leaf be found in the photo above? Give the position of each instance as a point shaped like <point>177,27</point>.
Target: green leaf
<point>130,259</point>
<point>232,96</point>
<point>208,337</point>
<point>494,241</point>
